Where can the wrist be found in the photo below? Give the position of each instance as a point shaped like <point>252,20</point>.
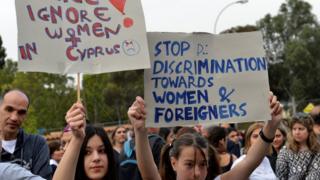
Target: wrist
<point>76,140</point>
<point>140,129</point>
<point>266,137</point>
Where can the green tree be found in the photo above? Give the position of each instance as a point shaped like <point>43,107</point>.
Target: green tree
<point>49,96</point>
<point>7,74</point>
<point>3,54</point>
<point>108,96</point>
<point>292,43</point>
<point>239,29</point>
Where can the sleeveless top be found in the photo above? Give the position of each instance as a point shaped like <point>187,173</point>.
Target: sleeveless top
<point>228,166</point>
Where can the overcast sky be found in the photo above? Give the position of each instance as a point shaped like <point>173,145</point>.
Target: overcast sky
<point>170,16</point>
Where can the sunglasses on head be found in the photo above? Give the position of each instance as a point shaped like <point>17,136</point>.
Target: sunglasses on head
<point>301,115</point>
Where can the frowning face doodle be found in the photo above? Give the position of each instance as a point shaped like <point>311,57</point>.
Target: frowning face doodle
<point>130,47</point>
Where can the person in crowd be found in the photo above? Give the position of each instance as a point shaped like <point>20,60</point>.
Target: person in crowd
<point>315,114</point>
<point>29,151</point>
<point>128,168</point>
<point>118,138</point>
<point>225,125</point>
<point>279,139</point>
<point>167,134</point>
<point>89,154</point>
<point>55,154</point>
<point>217,137</point>
<point>12,171</point>
<point>186,158</point>
<point>184,130</point>
<point>213,161</point>
<point>129,134</point>
<point>264,170</point>
<point>300,158</point>
<point>201,130</point>
<point>65,137</point>
<point>278,142</point>
<point>233,142</point>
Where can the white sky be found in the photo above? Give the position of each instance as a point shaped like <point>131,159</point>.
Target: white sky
<point>170,16</point>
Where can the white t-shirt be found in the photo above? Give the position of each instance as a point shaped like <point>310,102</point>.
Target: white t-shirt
<point>53,162</point>
<point>263,171</point>
<point>9,146</point>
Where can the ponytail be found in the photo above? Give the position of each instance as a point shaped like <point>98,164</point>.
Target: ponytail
<point>173,151</point>
<point>166,171</point>
<point>213,164</point>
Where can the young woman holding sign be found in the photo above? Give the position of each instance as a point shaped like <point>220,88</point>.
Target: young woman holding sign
<point>89,155</point>
<point>188,156</point>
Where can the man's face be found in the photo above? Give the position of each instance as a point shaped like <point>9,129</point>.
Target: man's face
<point>13,111</point>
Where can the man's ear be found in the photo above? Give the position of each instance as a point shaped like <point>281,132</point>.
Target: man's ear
<point>174,162</point>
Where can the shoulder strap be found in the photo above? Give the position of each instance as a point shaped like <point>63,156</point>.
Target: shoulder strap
<point>309,164</point>
<point>231,159</point>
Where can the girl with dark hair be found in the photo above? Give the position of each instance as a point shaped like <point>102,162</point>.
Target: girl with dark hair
<point>166,134</point>
<point>194,144</point>
<point>279,139</point>
<point>89,148</point>
<point>95,141</point>
<point>187,157</point>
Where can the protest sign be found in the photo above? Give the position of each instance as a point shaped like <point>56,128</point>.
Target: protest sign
<point>207,79</point>
<point>89,36</point>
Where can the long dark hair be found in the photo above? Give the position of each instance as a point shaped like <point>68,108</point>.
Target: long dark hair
<point>174,150</point>
<point>90,132</point>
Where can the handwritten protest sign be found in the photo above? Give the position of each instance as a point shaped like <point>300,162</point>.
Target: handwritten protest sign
<point>89,36</point>
<point>206,79</point>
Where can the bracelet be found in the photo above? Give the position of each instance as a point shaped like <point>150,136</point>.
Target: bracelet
<point>264,138</point>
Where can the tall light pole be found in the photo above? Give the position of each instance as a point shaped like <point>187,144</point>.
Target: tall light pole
<point>226,7</point>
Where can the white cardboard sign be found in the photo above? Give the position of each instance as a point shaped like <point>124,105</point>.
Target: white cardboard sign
<point>206,79</point>
<point>89,36</point>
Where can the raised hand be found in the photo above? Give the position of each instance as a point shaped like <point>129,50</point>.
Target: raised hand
<point>137,114</point>
<point>76,118</point>
<point>276,109</point>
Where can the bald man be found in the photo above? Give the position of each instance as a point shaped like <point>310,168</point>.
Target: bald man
<point>29,151</point>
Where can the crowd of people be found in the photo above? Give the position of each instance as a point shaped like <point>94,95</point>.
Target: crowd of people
<point>267,150</point>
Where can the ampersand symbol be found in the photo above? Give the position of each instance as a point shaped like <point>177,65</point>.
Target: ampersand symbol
<point>224,95</point>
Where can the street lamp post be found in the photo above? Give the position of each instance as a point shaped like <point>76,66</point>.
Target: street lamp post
<point>222,10</point>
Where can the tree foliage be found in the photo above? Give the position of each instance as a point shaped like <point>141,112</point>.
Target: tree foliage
<point>239,29</point>
<point>292,43</point>
<point>50,97</point>
<point>108,96</point>
<point>3,54</point>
